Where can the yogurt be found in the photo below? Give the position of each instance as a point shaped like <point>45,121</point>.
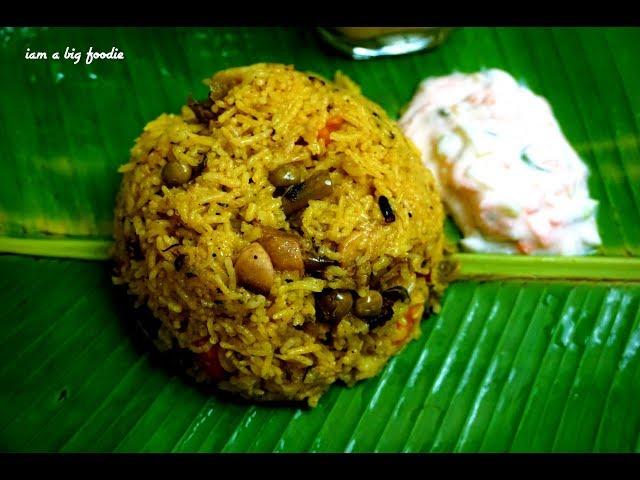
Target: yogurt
<point>508,175</point>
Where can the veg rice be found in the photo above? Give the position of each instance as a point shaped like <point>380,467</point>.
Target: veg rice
<point>362,249</point>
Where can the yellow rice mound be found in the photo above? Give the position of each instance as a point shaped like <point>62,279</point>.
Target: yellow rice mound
<point>272,346</point>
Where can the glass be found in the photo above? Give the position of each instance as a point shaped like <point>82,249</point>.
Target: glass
<point>368,42</point>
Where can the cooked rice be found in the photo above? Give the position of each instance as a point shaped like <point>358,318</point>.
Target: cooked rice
<point>271,346</point>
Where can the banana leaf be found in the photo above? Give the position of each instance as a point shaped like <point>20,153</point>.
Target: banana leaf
<point>507,365</point>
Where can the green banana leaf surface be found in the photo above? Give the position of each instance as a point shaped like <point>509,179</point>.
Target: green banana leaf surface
<point>506,365</point>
